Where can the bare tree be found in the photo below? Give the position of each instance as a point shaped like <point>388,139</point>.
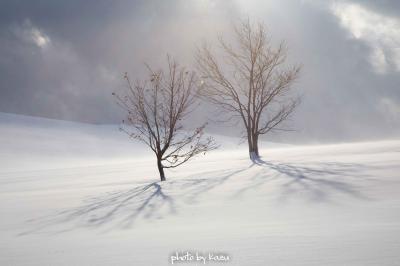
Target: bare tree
<point>156,109</point>
<point>251,82</point>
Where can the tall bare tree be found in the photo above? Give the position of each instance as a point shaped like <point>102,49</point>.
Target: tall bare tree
<point>156,109</point>
<point>250,81</point>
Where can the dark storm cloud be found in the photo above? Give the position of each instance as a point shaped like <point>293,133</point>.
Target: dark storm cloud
<point>55,79</point>
<point>88,45</point>
<point>63,59</point>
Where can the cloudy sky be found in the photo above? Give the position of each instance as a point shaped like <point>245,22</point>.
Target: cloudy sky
<point>62,59</point>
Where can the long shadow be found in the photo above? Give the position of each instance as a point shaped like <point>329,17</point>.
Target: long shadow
<point>121,209</point>
<point>126,207</point>
<point>117,209</point>
<point>312,181</point>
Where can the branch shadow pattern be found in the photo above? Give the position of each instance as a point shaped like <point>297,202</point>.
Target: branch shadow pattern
<point>121,209</point>
<point>116,209</point>
<point>147,201</point>
<point>312,181</point>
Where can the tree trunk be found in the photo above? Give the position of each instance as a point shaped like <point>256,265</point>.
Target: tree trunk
<point>253,146</point>
<point>161,169</point>
<point>250,144</point>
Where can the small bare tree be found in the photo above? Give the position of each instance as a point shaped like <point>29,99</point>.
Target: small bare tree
<point>156,109</point>
<point>252,83</point>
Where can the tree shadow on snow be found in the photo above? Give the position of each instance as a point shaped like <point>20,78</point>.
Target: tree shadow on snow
<point>121,209</point>
<point>316,183</point>
<point>116,209</point>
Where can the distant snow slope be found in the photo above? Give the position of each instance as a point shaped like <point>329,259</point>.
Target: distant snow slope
<point>33,143</point>
<point>78,194</point>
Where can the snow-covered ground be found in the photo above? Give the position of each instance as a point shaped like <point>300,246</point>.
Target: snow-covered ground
<point>79,194</point>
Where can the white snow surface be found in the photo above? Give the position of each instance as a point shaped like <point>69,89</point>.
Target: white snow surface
<point>80,194</point>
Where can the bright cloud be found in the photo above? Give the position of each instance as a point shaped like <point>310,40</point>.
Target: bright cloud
<point>382,33</point>
<point>39,38</point>
<point>31,34</point>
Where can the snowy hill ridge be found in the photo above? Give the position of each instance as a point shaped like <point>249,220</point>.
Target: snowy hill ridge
<point>79,194</point>
<point>40,143</point>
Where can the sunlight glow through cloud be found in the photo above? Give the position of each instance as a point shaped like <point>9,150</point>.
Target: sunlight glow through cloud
<point>29,33</point>
<point>39,38</point>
